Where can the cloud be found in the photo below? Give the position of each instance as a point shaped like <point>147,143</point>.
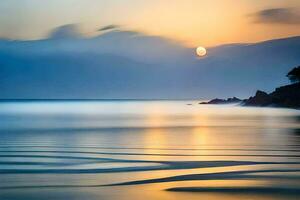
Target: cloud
<point>277,16</point>
<point>65,31</point>
<point>108,27</point>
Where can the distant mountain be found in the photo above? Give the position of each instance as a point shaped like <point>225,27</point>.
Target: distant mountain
<point>126,64</point>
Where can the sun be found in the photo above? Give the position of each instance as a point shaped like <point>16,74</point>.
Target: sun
<point>201,51</point>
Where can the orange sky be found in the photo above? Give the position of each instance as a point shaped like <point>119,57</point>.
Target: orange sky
<point>210,23</point>
<point>194,22</point>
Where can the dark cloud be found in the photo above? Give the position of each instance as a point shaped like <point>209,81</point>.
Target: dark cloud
<point>108,27</point>
<point>277,16</point>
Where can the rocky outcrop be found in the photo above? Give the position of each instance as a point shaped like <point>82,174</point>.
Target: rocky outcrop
<point>260,99</point>
<point>223,101</point>
<point>286,96</point>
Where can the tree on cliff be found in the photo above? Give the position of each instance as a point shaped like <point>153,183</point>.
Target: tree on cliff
<point>294,75</point>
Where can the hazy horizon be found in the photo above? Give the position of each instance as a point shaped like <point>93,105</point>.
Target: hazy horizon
<point>68,65</point>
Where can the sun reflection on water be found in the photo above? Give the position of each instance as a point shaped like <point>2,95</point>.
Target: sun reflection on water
<point>169,143</point>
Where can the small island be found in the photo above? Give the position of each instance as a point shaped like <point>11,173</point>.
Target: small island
<point>223,101</point>
<point>286,96</point>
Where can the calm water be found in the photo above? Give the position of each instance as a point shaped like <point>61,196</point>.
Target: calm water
<point>124,150</point>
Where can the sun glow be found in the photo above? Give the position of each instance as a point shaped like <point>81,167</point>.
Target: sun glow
<point>201,51</point>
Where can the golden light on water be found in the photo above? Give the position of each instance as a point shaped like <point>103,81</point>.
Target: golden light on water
<point>201,51</point>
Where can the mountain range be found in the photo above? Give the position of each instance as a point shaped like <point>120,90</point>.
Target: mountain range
<point>118,64</point>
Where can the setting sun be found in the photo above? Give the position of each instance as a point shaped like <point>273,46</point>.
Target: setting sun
<point>201,51</point>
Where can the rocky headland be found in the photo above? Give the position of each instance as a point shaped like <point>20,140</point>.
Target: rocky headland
<point>286,96</point>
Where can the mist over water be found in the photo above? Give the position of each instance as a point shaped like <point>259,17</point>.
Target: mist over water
<point>147,149</point>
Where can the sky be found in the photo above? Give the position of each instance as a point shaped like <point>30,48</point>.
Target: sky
<point>192,22</point>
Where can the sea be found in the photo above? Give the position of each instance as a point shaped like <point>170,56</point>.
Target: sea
<point>158,150</point>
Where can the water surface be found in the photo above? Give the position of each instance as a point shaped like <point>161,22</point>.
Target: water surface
<point>147,149</point>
